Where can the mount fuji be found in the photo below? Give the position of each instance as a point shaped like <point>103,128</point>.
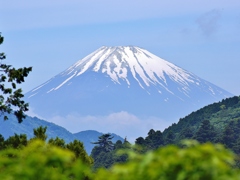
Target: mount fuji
<point>124,83</point>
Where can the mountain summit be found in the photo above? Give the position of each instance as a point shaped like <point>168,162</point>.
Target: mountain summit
<point>124,63</point>
<point>123,79</point>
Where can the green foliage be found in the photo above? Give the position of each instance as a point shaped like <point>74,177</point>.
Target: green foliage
<point>40,133</point>
<point>106,159</point>
<point>194,162</point>
<point>211,123</point>
<point>79,151</point>
<point>16,141</point>
<point>219,114</point>
<point>11,97</point>
<point>41,161</point>
<point>20,141</point>
<point>231,136</point>
<point>76,146</point>
<point>206,132</point>
<point>186,133</point>
<point>2,141</point>
<point>57,142</point>
<point>153,141</point>
<point>105,142</point>
<point>169,139</point>
<point>102,159</point>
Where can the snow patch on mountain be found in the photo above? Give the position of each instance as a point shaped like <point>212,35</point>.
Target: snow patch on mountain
<point>66,81</point>
<point>119,63</point>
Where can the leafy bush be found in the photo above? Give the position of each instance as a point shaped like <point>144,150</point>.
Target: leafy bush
<point>194,162</point>
<point>39,160</point>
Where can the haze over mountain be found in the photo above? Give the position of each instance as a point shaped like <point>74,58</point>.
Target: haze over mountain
<point>124,89</point>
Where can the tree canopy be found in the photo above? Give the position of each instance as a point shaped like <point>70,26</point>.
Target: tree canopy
<point>40,133</point>
<point>11,96</point>
<point>193,161</point>
<point>105,142</point>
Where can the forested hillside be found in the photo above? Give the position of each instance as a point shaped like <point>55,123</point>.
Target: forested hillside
<point>216,123</point>
<point>219,114</point>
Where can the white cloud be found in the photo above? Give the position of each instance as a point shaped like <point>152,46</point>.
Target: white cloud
<point>31,113</point>
<point>121,123</point>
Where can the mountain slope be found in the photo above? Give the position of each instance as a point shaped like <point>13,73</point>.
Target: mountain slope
<point>122,79</point>
<point>219,114</point>
<point>11,126</point>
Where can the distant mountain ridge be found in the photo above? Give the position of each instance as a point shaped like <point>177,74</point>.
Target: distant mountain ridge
<point>11,126</point>
<point>123,79</point>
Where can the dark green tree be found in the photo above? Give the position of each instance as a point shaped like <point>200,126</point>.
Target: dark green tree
<point>118,144</point>
<point>121,157</point>
<point>186,133</point>
<point>141,145</point>
<point>2,140</point>
<point>105,142</point>
<point>169,139</point>
<point>102,158</point>
<point>11,96</point>
<point>16,141</point>
<point>40,133</point>
<point>228,137</point>
<point>106,159</point>
<point>236,147</point>
<point>154,139</point>
<point>126,144</point>
<point>103,152</point>
<point>57,142</point>
<point>206,132</point>
<point>140,141</point>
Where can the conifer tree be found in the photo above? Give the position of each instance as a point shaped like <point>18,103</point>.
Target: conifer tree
<point>40,133</point>
<point>105,142</point>
<point>206,132</point>
<point>140,141</point>
<point>154,139</point>
<point>186,133</point>
<point>57,142</point>
<point>169,139</point>
<point>16,141</point>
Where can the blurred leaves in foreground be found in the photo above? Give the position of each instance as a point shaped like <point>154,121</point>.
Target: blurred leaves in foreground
<point>39,160</point>
<point>194,161</point>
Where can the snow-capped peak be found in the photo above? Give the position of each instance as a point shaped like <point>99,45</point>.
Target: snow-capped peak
<point>123,78</point>
<point>121,61</point>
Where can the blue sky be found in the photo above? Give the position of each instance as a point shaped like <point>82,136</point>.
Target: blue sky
<point>200,36</point>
